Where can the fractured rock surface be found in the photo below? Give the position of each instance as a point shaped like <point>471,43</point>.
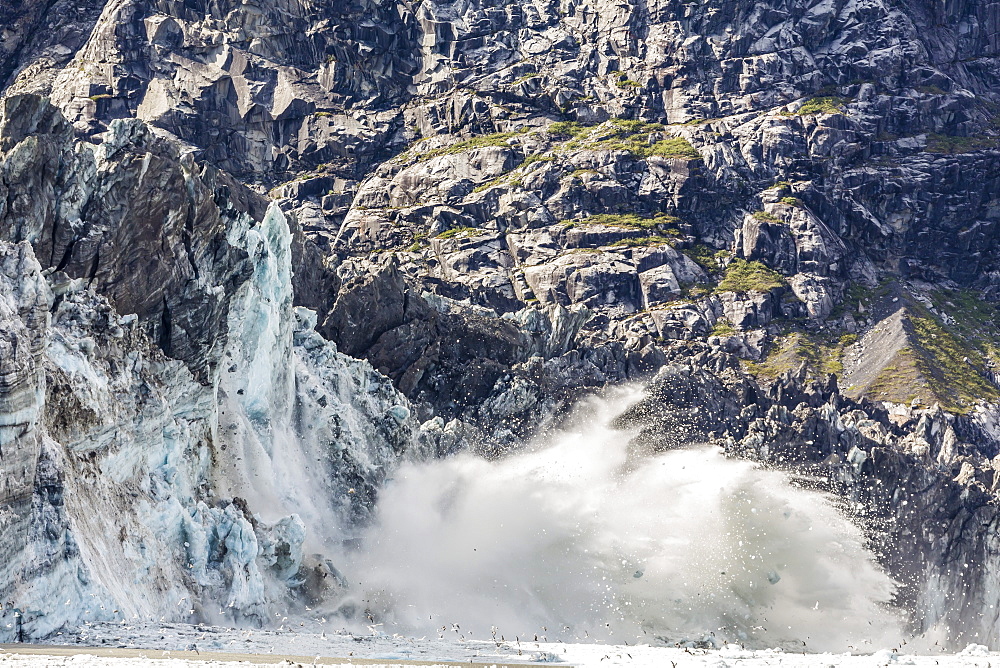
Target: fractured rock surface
<point>210,212</point>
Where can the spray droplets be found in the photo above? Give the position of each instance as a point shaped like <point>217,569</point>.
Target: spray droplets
<point>582,535</point>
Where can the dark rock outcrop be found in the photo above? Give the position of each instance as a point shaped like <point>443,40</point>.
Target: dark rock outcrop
<point>500,206</point>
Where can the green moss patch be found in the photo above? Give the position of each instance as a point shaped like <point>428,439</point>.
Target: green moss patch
<point>947,354</point>
<point>766,217</point>
<point>509,177</point>
<point>971,319</point>
<point>705,257</point>
<point>482,141</point>
<point>902,380</point>
<point>459,232</point>
<point>675,147</point>
<point>821,354</point>
<point>630,220</point>
<point>949,145</point>
<point>628,83</point>
<point>952,357</point>
<point>537,157</point>
<point>825,104</point>
<point>743,276</point>
<point>723,328</point>
<point>644,241</point>
<point>635,137</point>
<point>569,129</point>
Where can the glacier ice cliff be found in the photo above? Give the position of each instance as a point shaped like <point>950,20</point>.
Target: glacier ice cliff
<point>133,488</point>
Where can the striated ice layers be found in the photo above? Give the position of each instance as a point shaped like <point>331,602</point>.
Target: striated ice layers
<point>129,490</point>
<point>579,539</point>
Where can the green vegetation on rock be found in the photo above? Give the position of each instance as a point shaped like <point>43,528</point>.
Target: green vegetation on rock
<point>948,365</point>
<point>696,290</point>
<point>628,83</point>
<point>743,276</point>
<point>458,231</point>
<point>857,295</point>
<point>675,147</point>
<point>697,121</point>
<point>723,328</point>
<point>821,354</point>
<point>949,145</point>
<point>971,319</point>
<point>901,380</point>
<point>630,220</point>
<point>419,242</point>
<point>949,347</point>
<point>506,177</point>
<point>491,183</point>
<point>523,78</point>
<point>482,141</point>
<point>826,104</point>
<point>655,240</point>
<point>949,354</point>
<point>568,129</point>
<point>766,217</point>
<point>537,157</point>
<point>630,127</point>
<point>705,257</point>
<point>639,138</point>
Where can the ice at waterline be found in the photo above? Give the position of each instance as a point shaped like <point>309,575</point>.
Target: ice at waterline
<point>573,540</point>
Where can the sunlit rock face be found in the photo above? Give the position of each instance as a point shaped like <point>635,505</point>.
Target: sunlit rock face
<point>260,88</point>
<point>492,208</point>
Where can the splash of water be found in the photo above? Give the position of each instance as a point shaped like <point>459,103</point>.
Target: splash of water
<point>573,539</point>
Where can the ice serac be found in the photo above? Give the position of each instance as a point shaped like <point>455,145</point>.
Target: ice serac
<point>24,313</point>
<point>138,490</point>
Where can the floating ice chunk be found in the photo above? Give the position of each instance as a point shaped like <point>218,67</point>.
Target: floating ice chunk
<point>975,650</point>
<point>545,657</point>
<point>884,657</point>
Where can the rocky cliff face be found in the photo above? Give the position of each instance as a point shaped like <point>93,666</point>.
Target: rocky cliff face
<point>792,205</point>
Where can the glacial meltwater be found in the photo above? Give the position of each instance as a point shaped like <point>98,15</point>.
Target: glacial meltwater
<point>574,539</point>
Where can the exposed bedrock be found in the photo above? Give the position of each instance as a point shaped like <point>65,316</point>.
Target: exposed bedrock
<point>239,240</point>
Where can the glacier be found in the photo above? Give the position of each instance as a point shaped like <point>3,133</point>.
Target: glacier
<point>137,492</point>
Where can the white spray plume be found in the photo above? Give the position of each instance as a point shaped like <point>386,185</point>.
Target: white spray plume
<point>572,539</point>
